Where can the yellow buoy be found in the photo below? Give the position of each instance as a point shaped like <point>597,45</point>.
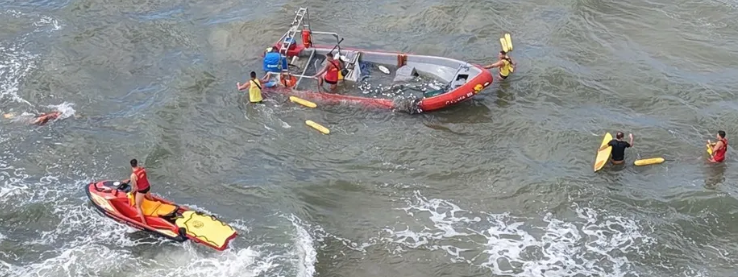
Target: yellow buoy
<point>649,161</point>
<point>508,41</point>
<point>503,43</point>
<point>709,148</point>
<point>302,102</point>
<point>318,127</point>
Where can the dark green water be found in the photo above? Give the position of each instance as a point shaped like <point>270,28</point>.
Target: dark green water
<point>499,186</point>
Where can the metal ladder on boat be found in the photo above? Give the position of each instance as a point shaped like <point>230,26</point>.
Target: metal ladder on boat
<point>289,37</point>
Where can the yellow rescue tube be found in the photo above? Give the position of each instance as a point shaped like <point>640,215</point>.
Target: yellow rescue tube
<point>318,127</point>
<point>302,102</point>
<point>649,161</point>
<point>709,148</point>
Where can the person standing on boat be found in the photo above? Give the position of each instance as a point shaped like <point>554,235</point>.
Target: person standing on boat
<point>718,148</point>
<point>331,70</point>
<point>504,63</point>
<point>140,187</point>
<point>272,60</point>
<point>254,86</point>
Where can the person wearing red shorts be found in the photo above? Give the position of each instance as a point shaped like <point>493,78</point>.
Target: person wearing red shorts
<point>140,187</point>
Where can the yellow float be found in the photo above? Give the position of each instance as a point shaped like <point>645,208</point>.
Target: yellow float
<point>318,127</point>
<point>650,161</point>
<point>302,102</point>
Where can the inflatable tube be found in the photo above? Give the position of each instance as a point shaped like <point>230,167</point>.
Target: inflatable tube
<point>318,127</point>
<point>457,95</point>
<point>302,102</point>
<point>649,161</point>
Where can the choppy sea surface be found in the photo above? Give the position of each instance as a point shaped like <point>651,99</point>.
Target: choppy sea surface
<point>498,186</point>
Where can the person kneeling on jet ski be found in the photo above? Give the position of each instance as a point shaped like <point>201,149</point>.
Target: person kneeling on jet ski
<point>139,187</point>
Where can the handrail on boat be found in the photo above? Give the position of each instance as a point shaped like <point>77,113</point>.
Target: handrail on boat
<point>302,75</point>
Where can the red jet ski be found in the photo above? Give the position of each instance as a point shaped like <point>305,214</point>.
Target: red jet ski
<point>115,200</point>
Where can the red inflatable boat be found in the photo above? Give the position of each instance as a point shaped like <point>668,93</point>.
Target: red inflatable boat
<point>461,80</point>
<point>164,218</point>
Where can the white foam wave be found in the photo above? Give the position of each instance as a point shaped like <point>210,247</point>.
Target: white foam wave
<point>65,108</point>
<point>589,244</point>
<point>305,254</point>
<point>15,62</point>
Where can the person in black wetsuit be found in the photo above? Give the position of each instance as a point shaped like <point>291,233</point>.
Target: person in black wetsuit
<point>618,147</point>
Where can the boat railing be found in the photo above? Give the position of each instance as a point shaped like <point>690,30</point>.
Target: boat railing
<point>302,75</point>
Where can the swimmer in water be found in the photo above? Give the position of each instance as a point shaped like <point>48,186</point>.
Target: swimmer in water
<point>505,63</point>
<point>618,147</point>
<point>718,148</point>
<point>45,118</point>
<point>41,119</point>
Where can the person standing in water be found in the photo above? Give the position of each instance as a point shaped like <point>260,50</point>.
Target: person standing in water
<point>254,86</point>
<point>618,147</point>
<point>718,148</point>
<point>331,69</point>
<point>504,63</point>
<point>140,187</point>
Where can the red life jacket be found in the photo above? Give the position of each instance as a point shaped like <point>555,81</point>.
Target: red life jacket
<point>720,153</point>
<point>142,182</point>
<point>332,73</point>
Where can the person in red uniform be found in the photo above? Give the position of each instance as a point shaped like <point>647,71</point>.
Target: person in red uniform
<point>719,148</point>
<point>331,70</point>
<point>140,187</point>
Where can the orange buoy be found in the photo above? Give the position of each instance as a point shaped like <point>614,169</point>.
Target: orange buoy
<point>288,81</point>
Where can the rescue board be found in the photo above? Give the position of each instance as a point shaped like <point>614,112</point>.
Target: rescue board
<point>650,161</point>
<point>604,154</point>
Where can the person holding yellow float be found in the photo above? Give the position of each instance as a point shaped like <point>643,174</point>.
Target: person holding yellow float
<point>618,147</point>
<point>717,149</point>
<point>504,62</point>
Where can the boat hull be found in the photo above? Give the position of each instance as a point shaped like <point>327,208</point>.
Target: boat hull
<point>439,67</point>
